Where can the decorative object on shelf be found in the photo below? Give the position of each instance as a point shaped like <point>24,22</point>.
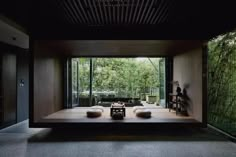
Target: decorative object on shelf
<point>178,89</point>
<point>174,98</point>
<point>117,111</point>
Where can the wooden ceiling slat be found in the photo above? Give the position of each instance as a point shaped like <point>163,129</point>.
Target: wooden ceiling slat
<point>157,10</point>
<point>96,11</point>
<point>150,16</point>
<point>143,11</point>
<point>67,14</point>
<point>78,12</point>
<point>105,12</point>
<point>118,13</point>
<point>140,9</point>
<point>162,10</point>
<point>101,13</point>
<point>113,14</point>
<point>109,12</point>
<point>148,11</point>
<point>163,17</point>
<point>136,8</point>
<point>127,12</point>
<point>68,7</point>
<point>131,11</point>
<point>90,18</point>
<point>122,11</point>
<point>92,11</point>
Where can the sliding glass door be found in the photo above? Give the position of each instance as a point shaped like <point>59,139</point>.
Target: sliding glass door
<point>80,81</point>
<point>162,75</point>
<point>100,81</point>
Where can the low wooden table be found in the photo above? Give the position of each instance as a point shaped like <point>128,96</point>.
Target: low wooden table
<point>117,107</point>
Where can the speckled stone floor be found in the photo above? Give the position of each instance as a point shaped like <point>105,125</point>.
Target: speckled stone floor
<point>21,141</point>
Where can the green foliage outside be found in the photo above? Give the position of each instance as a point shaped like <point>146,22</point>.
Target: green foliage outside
<point>127,77</point>
<point>222,82</point>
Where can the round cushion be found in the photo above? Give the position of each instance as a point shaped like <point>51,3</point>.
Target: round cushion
<point>94,113</point>
<point>98,107</point>
<point>143,113</point>
<point>135,108</point>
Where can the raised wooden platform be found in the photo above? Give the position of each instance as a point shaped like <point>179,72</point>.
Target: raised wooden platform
<point>78,115</point>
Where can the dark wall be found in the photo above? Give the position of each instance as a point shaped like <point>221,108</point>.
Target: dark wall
<point>8,85</point>
<point>22,86</point>
<point>13,94</point>
<point>47,83</point>
<point>187,69</point>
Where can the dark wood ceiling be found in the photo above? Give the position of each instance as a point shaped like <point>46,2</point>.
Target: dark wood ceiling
<point>114,12</point>
<point>118,19</point>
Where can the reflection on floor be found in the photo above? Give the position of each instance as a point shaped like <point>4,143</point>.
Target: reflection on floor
<point>78,114</point>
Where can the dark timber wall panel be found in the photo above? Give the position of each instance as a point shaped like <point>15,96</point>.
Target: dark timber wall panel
<point>48,83</point>
<point>188,71</point>
<point>9,87</point>
<point>22,86</point>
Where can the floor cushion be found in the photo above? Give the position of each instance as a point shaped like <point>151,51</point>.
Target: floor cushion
<point>135,108</point>
<point>143,113</point>
<point>98,107</point>
<point>92,113</point>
